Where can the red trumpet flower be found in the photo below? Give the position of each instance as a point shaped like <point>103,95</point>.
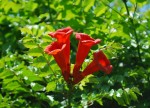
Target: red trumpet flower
<point>58,51</point>
<point>100,62</point>
<point>61,50</point>
<point>63,36</point>
<point>84,46</point>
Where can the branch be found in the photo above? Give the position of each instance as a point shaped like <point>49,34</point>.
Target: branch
<point>134,29</point>
<point>113,9</point>
<point>135,10</point>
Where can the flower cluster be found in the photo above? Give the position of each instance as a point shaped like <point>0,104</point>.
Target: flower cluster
<point>60,50</point>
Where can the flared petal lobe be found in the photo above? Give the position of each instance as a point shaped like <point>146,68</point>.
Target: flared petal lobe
<point>62,35</point>
<point>100,62</point>
<point>84,46</point>
<point>58,51</point>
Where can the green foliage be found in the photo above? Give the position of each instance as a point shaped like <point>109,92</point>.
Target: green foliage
<point>31,78</point>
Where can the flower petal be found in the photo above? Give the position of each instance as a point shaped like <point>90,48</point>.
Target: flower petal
<point>100,62</point>
<point>103,62</point>
<point>62,35</point>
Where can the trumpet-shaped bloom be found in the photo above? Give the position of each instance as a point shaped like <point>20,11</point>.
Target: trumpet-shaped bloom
<point>63,36</point>
<point>84,46</point>
<point>58,51</point>
<point>62,58</point>
<point>100,62</point>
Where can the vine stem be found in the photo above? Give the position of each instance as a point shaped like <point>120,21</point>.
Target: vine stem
<point>134,30</point>
<point>70,86</point>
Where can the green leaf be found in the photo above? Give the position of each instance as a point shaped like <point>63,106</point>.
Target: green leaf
<point>16,7</point>
<point>39,62</point>
<point>47,39</point>
<point>27,39</point>
<point>6,73</point>
<point>38,87</point>
<point>35,52</point>
<point>100,101</point>
<point>77,2</point>
<point>126,97</point>
<point>13,86</point>
<point>141,1</point>
<point>133,95</point>
<point>44,74</point>
<point>8,80</point>
<point>118,97</point>
<point>99,10</point>
<point>26,30</point>
<point>117,46</point>
<point>111,93</point>
<point>93,80</point>
<point>30,44</point>
<point>136,90</point>
<point>51,86</point>
<point>84,81</point>
<point>119,92</point>
<point>88,4</point>
<point>34,19</point>
<point>133,1</point>
<point>31,76</point>
<point>69,15</point>
<point>7,6</point>
<point>120,31</point>
<point>1,97</point>
<point>121,34</point>
<point>2,63</point>
<point>119,100</point>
